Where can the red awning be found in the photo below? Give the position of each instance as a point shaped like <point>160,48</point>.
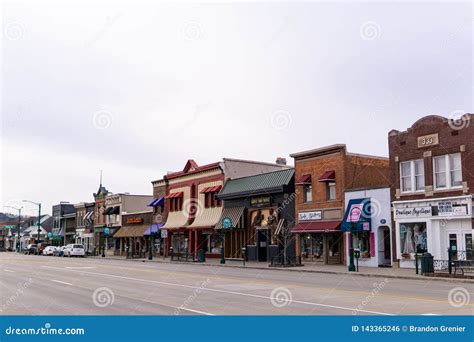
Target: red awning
<point>174,195</point>
<point>304,179</point>
<point>317,227</point>
<point>328,176</point>
<point>211,189</point>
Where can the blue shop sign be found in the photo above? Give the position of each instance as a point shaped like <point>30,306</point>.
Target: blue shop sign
<point>358,216</point>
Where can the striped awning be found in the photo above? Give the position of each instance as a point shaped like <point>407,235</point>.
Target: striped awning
<point>234,214</point>
<point>279,227</point>
<point>174,195</point>
<point>209,189</point>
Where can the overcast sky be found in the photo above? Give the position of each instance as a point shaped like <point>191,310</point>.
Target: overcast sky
<point>137,89</point>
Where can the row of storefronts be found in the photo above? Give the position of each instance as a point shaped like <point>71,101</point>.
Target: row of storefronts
<point>330,203</point>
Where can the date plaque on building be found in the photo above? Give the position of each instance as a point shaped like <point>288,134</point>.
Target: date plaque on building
<point>428,140</point>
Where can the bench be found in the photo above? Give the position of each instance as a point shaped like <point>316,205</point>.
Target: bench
<point>465,266</point>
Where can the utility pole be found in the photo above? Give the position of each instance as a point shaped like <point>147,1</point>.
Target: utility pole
<point>39,219</point>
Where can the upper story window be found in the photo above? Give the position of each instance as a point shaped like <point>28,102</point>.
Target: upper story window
<point>412,176</point>
<point>308,193</point>
<point>211,201</point>
<point>176,204</point>
<point>447,171</point>
<point>331,190</point>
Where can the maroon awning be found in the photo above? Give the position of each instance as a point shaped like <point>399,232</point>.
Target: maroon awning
<point>328,176</point>
<point>304,180</point>
<point>174,195</point>
<point>317,227</point>
<point>211,189</point>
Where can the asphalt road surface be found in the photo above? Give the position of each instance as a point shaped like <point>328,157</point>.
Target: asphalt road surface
<point>40,285</point>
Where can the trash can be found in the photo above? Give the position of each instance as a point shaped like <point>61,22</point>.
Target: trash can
<point>201,255</point>
<point>427,263</point>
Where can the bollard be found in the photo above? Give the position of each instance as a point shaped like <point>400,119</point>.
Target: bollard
<point>244,254</point>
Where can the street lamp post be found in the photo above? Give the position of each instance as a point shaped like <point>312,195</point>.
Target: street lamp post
<point>352,267</point>
<point>39,218</point>
<point>18,226</point>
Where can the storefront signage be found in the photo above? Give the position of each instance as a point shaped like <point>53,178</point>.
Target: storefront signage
<point>227,223</point>
<point>164,233</point>
<point>134,220</point>
<point>448,208</point>
<point>355,212</point>
<point>310,215</point>
<point>428,140</point>
<point>413,212</point>
<point>260,201</point>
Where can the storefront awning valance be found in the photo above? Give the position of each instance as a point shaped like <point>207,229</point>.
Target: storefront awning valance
<point>131,231</point>
<point>153,229</point>
<point>304,180</point>
<point>317,227</point>
<point>157,202</point>
<point>174,195</point>
<point>328,176</point>
<point>358,216</point>
<point>233,213</point>
<point>209,189</point>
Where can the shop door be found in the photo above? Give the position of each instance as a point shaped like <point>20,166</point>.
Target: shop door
<point>262,243</point>
<point>467,242</point>
<point>334,247</point>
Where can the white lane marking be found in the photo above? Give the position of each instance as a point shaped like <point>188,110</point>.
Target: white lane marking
<point>61,282</point>
<point>224,291</point>
<point>80,267</point>
<point>9,271</point>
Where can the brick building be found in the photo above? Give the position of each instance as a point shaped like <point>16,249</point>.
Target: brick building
<point>99,218</point>
<point>193,210</point>
<point>322,178</point>
<point>432,176</point>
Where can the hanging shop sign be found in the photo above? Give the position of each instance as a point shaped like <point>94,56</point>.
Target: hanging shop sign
<point>401,213</point>
<point>310,215</point>
<point>260,201</point>
<point>164,233</point>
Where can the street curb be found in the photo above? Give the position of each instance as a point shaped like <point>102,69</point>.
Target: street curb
<point>369,275</point>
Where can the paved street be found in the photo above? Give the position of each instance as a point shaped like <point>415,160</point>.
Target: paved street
<point>40,285</point>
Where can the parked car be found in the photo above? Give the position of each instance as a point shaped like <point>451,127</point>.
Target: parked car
<point>58,251</point>
<point>74,250</point>
<point>31,249</point>
<point>49,250</point>
<point>41,248</point>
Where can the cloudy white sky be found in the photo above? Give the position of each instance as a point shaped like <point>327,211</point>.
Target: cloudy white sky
<point>136,89</point>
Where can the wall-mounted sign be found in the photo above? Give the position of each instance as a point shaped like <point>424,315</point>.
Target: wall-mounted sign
<point>260,201</point>
<point>134,220</point>
<point>309,215</point>
<point>355,211</point>
<point>428,140</point>
<point>158,219</point>
<point>413,212</point>
<point>383,221</point>
<point>449,208</point>
<point>164,233</point>
<point>226,223</point>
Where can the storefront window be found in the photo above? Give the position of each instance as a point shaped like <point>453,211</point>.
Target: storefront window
<point>312,245</point>
<point>362,241</point>
<point>413,238</point>
<point>214,243</point>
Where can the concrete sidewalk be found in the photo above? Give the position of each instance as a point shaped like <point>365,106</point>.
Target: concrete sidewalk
<point>380,272</point>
